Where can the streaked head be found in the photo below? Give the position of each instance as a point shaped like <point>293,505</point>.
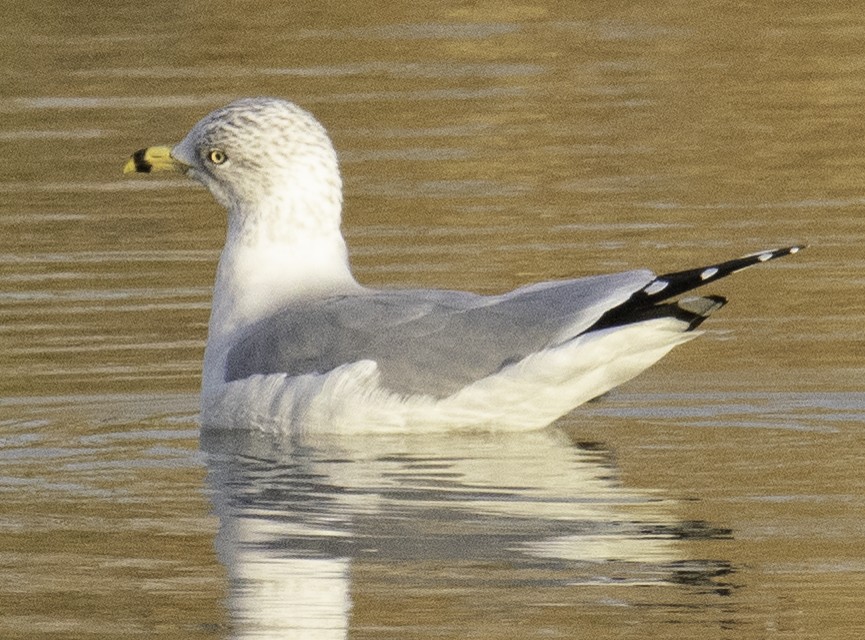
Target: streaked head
<point>252,151</point>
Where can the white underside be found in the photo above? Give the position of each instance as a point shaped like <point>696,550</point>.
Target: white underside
<point>527,395</point>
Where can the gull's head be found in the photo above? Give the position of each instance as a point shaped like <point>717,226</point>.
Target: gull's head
<point>256,155</point>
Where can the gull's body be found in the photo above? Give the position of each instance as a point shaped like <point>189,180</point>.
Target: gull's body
<point>296,344</point>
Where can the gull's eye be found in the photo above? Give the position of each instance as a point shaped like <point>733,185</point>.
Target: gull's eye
<point>217,156</point>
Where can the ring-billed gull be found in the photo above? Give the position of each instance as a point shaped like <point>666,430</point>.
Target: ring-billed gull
<point>296,344</point>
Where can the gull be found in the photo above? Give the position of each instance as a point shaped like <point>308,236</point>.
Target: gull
<point>296,345</point>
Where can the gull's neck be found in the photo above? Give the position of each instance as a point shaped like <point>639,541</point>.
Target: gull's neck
<point>273,256</point>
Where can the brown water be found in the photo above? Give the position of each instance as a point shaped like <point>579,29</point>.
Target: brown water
<point>484,146</point>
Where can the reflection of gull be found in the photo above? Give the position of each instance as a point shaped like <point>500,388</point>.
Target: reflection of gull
<point>295,519</point>
<point>295,342</point>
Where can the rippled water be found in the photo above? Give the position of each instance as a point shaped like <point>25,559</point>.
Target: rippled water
<point>483,146</point>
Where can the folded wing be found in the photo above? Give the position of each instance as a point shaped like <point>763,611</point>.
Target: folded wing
<point>428,341</point>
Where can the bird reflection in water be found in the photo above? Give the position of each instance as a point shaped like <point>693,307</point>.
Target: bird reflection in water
<point>297,518</point>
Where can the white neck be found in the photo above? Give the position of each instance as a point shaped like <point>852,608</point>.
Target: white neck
<point>271,259</point>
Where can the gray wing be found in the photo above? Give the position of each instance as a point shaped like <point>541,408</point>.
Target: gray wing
<point>428,341</point>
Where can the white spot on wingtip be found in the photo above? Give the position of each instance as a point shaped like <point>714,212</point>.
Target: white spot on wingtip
<point>656,287</point>
<point>794,250</point>
<point>708,273</point>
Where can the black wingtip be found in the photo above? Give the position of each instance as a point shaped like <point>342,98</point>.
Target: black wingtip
<point>691,311</point>
<point>672,284</point>
<point>646,303</point>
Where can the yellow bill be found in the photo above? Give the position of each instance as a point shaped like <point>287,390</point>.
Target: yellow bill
<point>153,159</point>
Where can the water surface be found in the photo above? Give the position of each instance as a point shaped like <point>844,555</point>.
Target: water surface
<point>483,147</point>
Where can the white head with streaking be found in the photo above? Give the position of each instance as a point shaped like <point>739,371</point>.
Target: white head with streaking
<point>266,157</point>
<point>295,344</point>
